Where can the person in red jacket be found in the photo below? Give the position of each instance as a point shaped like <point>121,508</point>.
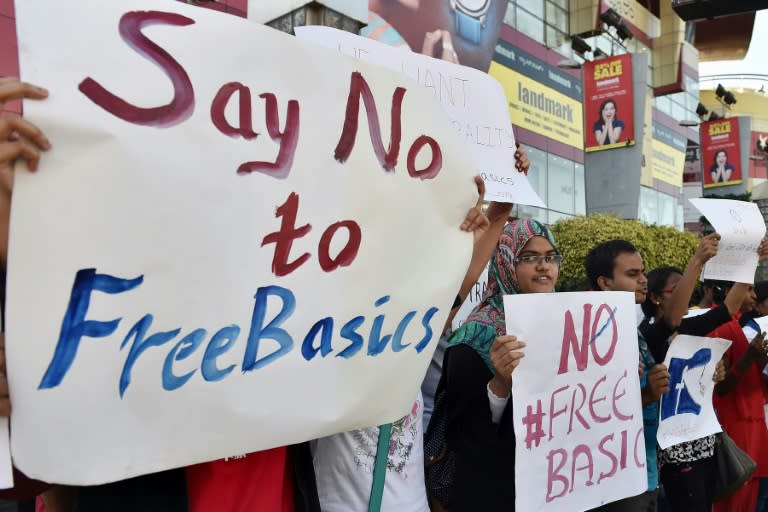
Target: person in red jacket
<point>739,401</point>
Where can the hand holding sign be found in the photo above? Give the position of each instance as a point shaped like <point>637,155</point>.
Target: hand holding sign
<point>719,374</point>
<point>475,219</point>
<point>707,248</point>
<point>20,138</point>
<point>758,347</point>
<point>658,384</point>
<point>742,229</point>
<point>505,357</point>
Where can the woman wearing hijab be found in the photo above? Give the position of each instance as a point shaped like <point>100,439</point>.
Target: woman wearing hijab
<point>479,363</point>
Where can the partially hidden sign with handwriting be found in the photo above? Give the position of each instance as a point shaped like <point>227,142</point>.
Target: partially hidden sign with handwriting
<point>230,247</point>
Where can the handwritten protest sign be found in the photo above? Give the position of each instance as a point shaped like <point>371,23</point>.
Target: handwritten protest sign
<point>220,254</point>
<point>474,298</point>
<point>576,398</point>
<point>762,321</point>
<point>686,409</point>
<point>741,227</point>
<point>474,101</point>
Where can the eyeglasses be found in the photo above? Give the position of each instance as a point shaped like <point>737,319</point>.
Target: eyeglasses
<point>538,259</point>
<point>668,290</point>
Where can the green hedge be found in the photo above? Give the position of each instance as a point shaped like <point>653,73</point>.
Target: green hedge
<point>659,246</point>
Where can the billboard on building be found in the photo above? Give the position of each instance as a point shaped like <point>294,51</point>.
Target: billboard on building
<point>462,31</point>
<point>541,97</point>
<point>668,155</point>
<point>758,155</point>
<point>721,153</point>
<point>608,103</point>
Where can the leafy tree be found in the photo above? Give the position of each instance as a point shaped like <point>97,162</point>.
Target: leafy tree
<point>659,245</point>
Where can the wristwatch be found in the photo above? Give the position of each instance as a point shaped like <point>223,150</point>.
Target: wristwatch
<point>470,18</point>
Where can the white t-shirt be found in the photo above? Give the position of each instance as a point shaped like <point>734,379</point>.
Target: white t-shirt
<point>344,467</point>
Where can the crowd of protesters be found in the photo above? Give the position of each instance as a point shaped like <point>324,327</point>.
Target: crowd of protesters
<point>473,368</point>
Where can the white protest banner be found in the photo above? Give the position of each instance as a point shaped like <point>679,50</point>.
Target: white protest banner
<point>218,255</point>
<point>762,321</point>
<point>741,228</point>
<point>6,467</point>
<point>474,101</point>
<point>686,409</point>
<point>474,298</point>
<point>576,400</point>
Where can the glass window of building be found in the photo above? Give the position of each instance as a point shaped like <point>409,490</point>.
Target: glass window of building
<point>545,21</point>
<point>648,206</point>
<point>535,7</point>
<point>560,184</point>
<point>509,15</point>
<point>556,17</point>
<point>561,188</point>
<point>667,210</point>
<point>530,25</point>
<point>579,195</point>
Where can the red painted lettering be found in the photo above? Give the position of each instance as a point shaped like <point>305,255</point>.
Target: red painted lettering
<point>555,413</point>
<point>584,450</point>
<point>571,341</point>
<point>358,88</point>
<point>592,402</point>
<point>623,454</point>
<point>576,411</point>
<point>553,474</point>
<point>347,254</point>
<point>183,103</point>
<point>616,412</point>
<point>597,330</point>
<point>602,449</point>
<point>219,104</point>
<point>431,170</point>
<point>639,437</point>
<point>288,139</point>
<point>283,239</point>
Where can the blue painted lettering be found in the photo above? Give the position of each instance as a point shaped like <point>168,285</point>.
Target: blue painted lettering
<point>271,331</point>
<point>74,326</point>
<point>183,349</point>
<point>138,332</point>
<point>325,326</point>
<point>220,343</point>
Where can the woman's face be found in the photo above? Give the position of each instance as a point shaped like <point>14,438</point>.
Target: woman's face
<point>721,158</point>
<point>749,301</point>
<point>761,308</point>
<point>609,111</point>
<point>540,276</point>
<point>669,287</point>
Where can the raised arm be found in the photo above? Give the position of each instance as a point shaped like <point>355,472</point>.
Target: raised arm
<point>681,296</point>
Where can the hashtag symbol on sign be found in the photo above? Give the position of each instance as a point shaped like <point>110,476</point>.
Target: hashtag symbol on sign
<point>532,422</point>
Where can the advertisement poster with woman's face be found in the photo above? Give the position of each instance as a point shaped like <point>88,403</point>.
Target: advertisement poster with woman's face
<point>608,103</point>
<point>720,153</point>
<point>459,31</point>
